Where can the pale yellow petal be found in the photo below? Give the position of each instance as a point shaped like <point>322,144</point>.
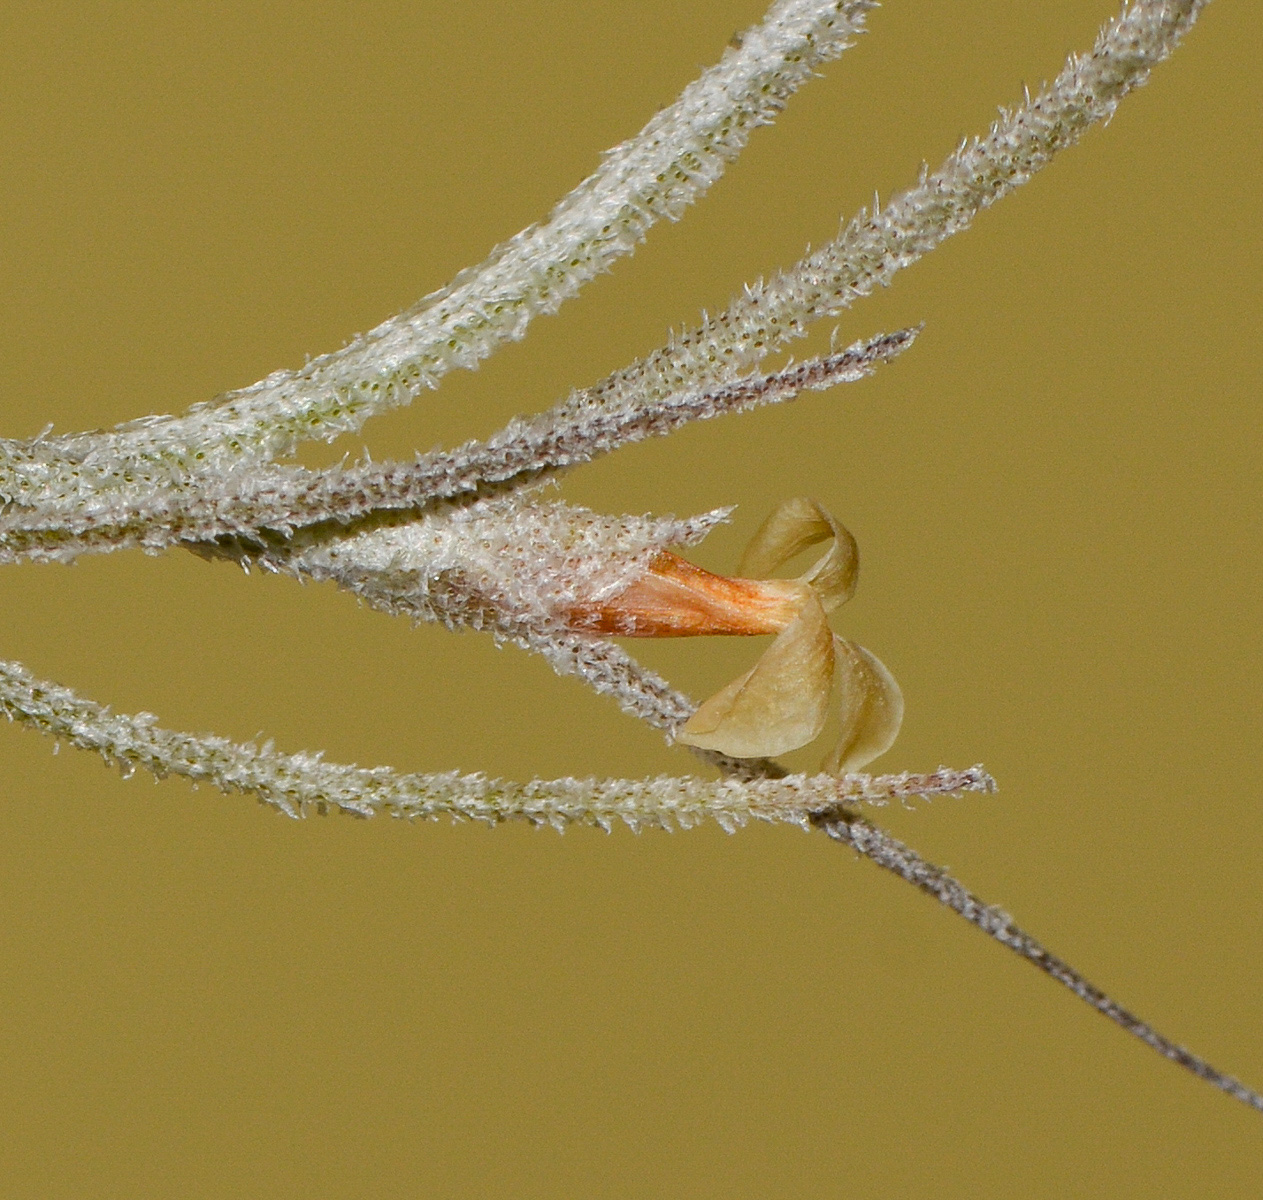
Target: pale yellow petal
<point>871,706</point>
<point>779,705</point>
<point>791,527</point>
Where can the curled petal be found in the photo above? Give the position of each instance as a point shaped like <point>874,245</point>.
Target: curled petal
<point>791,527</point>
<point>871,707</point>
<point>778,706</point>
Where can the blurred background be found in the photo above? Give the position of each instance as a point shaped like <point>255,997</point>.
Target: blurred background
<point>1056,495</point>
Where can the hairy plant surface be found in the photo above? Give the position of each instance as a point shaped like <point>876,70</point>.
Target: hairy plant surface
<point>471,538</point>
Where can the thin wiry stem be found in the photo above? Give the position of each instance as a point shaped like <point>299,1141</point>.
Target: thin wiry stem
<point>656,174</point>
<point>294,783</point>
<point>892,855</point>
<point>282,499</point>
<point>666,708</point>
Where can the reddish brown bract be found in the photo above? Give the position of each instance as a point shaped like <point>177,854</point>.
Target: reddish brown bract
<point>676,598</point>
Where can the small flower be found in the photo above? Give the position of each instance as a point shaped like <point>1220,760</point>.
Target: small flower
<point>782,703</point>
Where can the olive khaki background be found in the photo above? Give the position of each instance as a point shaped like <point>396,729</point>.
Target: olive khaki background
<point>1056,495</point>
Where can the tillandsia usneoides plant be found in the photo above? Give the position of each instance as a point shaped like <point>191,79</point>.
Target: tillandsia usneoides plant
<point>470,538</point>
